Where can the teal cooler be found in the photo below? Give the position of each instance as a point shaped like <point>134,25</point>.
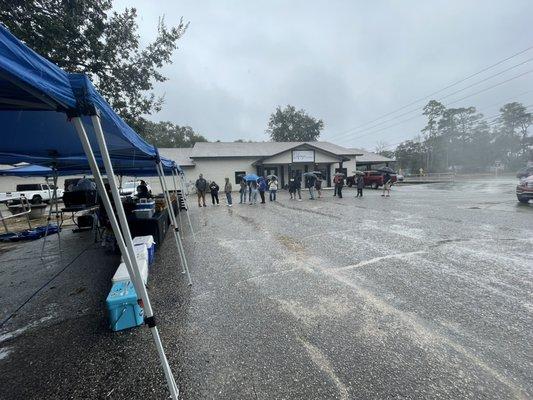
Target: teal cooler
<point>122,307</point>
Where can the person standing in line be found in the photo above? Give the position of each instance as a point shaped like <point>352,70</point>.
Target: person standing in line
<point>292,188</point>
<point>214,188</point>
<point>201,188</point>
<point>311,181</point>
<point>386,185</point>
<point>339,183</point>
<point>262,188</point>
<point>242,191</point>
<point>273,188</point>
<point>227,189</point>
<point>360,182</point>
<point>318,186</point>
<point>298,187</point>
<point>254,190</point>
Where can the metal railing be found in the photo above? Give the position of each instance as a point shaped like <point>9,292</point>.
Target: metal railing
<point>431,177</point>
<point>26,207</point>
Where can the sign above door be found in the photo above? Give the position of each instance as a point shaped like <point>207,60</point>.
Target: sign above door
<point>303,156</point>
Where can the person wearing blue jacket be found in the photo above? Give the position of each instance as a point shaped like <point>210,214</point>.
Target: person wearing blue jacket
<point>262,188</point>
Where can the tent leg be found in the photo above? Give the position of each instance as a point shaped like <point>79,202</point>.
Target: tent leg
<point>176,192</point>
<point>177,237</point>
<point>170,219</point>
<point>187,207</point>
<point>127,252</point>
<point>53,201</point>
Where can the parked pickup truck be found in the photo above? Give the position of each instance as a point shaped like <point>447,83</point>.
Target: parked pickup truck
<point>36,193</point>
<point>374,179</point>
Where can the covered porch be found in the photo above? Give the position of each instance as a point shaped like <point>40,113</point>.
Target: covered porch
<point>301,159</point>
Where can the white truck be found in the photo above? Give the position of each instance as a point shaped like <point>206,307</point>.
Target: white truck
<point>36,193</point>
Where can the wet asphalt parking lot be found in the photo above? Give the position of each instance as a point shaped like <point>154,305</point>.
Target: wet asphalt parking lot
<point>423,295</point>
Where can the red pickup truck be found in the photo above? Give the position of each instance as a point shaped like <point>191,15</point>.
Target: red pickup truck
<point>374,179</point>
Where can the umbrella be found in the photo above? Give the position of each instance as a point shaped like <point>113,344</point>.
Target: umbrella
<point>309,174</point>
<point>388,170</point>
<point>339,174</point>
<point>316,172</point>
<point>272,177</point>
<point>250,177</point>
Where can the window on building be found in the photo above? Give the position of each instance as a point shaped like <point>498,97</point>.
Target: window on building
<point>238,176</point>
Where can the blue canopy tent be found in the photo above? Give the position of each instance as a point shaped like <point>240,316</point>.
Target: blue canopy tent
<point>55,119</point>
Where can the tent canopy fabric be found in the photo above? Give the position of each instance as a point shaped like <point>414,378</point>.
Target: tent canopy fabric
<point>28,170</point>
<point>29,81</point>
<point>32,170</point>
<point>36,100</point>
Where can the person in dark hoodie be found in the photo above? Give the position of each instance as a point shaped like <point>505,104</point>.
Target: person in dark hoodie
<point>214,188</point>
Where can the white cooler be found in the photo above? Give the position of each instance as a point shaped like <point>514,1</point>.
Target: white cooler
<point>140,250</point>
<point>122,271</point>
<point>149,242</point>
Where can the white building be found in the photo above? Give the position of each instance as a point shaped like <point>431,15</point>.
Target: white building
<point>218,160</point>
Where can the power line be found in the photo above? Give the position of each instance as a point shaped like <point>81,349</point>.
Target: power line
<point>439,99</point>
<point>441,90</point>
<point>453,102</point>
<point>494,119</point>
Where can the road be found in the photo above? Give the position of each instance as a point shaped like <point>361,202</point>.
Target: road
<point>423,295</point>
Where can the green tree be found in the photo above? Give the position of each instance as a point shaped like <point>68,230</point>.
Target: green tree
<point>433,111</point>
<point>291,125</point>
<point>511,134</point>
<point>167,134</point>
<point>411,156</point>
<point>86,36</point>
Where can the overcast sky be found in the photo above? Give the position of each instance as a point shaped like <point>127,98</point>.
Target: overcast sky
<point>346,62</point>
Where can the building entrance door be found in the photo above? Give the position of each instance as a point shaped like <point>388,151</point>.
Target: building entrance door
<point>272,171</point>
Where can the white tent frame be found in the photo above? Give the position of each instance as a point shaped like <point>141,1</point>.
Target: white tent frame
<point>53,204</point>
<point>172,217</point>
<point>184,196</point>
<point>124,241</point>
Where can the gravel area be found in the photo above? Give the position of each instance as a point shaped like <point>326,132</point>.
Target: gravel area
<point>423,295</point>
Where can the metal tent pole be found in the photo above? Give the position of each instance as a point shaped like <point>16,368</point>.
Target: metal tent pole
<point>177,197</point>
<point>172,216</point>
<point>53,202</point>
<point>187,210</point>
<point>131,263</point>
<point>184,184</point>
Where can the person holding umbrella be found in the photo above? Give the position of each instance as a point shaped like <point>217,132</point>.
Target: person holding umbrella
<point>254,190</point>
<point>242,190</point>
<point>262,185</point>
<point>338,180</point>
<point>386,185</point>
<point>310,180</point>
<point>387,180</point>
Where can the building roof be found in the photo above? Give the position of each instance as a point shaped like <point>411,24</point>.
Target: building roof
<point>180,155</point>
<point>370,157</point>
<point>260,149</point>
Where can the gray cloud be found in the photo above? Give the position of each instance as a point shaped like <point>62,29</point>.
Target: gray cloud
<point>343,61</point>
